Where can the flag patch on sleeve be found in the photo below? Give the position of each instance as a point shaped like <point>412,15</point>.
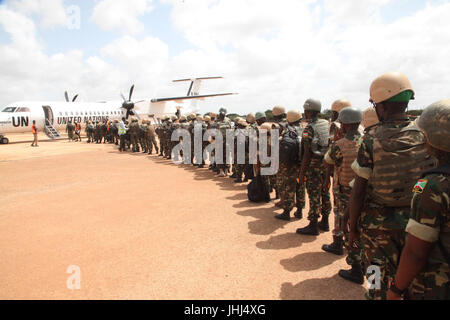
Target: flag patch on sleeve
<point>420,186</point>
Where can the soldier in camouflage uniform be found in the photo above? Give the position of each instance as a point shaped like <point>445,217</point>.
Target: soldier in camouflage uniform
<point>115,132</point>
<point>252,130</point>
<point>151,138</point>
<point>279,117</point>
<point>158,131</point>
<point>315,141</point>
<point>340,157</point>
<point>70,129</point>
<point>223,125</point>
<point>241,141</point>
<point>134,135</point>
<point>234,157</point>
<point>90,132</point>
<point>290,191</point>
<point>424,269</point>
<point>391,157</point>
<point>143,136</point>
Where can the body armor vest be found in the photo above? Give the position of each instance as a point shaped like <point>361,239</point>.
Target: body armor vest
<point>319,145</point>
<point>399,157</point>
<point>344,173</point>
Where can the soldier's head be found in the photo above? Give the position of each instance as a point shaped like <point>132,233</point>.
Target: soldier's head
<point>435,124</point>
<point>337,107</point>
<point>294,117</point>
<point>123,119</point>
<point>370,117</point>
<point>222,114</point>
<point>312,108</point>
<point>390,94</point>
<point>350,118</point>
<point>250,118</point>
<point>260,118</point>
<point>278,112</point>
<point>207,119</point>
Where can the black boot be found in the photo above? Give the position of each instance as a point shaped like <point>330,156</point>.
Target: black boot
<point>323,224</point>
<point>238,180</point>
<point>355,274</point>
<point>233,176</point>
<point>337,247</point>
<point>286,215</point>
<point>312,229</point>
<point>299,213</point>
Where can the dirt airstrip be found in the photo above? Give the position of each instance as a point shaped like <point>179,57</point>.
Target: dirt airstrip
<point>140,227</point>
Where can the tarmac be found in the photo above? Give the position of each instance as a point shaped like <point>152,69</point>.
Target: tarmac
<point>140,227</point>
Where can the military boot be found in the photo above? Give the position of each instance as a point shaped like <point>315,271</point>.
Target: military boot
<point>299,213</point>
<point>337,247</point>
<point>355,274</point>
<point>312,229</point>
<point>323,224</point>
<point>277,195</point>
<point>238,180</point>
<point>286,215</point>
<point>233,176</point>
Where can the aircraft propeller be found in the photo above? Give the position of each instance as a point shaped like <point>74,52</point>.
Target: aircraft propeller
<point>129,104</point>
<point>66,95</point>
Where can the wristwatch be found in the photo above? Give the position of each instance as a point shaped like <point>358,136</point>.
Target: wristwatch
<point>396,290</point>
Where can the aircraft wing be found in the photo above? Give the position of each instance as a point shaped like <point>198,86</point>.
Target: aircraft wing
<point>199,97</point>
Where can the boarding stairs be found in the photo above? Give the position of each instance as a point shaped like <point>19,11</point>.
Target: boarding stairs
<point>50,131</point>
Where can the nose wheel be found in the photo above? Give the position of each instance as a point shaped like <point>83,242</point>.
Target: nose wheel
<point>3,140</point>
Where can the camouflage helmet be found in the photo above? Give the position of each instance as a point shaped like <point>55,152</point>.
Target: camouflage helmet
<point>242,122</point>
<point>312,105</point>
<point>183,118</point>
<point>388,86</point>
<point>192,116</point>
<point>370,117</point>
<point>435,124</point>
<point>199,118</point>
<point>173,118</point>
<point>223,110</point>
<point>260,115</point>
<point>340,104</point>
<point>212,115</point>
<point>278,111</point>
<point>293,116</point>
<point>207,118</point>
<point>237,119</point>
<point>251,118</point>
<point>350,115</point>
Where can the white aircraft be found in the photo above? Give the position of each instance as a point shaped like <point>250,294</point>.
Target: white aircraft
<point>18,117</point>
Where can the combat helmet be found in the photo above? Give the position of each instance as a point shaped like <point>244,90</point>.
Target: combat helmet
<point>340,104</point>
<point>266,126</point>
<point>251,118</point>
<point>199,118</point>
<point>312,105</point>
<point>207,118</point>
<point>260,115</point>
<point>173,118</point>
<point>278,111</point>
<point>390,85</point>
<point>435,124</point>
<point>350,115</point>
<point>293,116</point>
<point>223,110</point>
<point>370,117</point>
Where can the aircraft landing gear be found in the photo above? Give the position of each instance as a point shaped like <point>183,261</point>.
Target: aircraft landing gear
<point>3,139</point>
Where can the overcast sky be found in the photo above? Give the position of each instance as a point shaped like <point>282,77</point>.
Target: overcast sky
<point>271,52</point>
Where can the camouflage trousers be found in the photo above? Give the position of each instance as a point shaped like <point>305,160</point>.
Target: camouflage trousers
<point>144,144</point>
<point>70,135</point>
<point>151,142</point>
<point>319,201</point>
<point>381,249</point>
<point>342,198</point>
<point>134,143</point>
<point>90,136</point>
<point>291,191</point>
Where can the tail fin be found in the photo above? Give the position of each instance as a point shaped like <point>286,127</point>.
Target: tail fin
<point>196,83</point>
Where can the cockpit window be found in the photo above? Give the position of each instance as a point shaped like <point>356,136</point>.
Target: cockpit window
<point>23,110</point>
<point>9,109</point>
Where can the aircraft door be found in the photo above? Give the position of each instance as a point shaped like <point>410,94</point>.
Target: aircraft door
<point>48,115</point>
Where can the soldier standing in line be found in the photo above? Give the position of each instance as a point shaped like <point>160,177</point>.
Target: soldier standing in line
<point>340,157</point>
<point>151,136</point>
<point>279,114</point>
<point>290,160</point>
<point>122,128</point>
<point>223,125</point>
<point>134,135</point>
<point>90,132</point>
<point>69,129</point>
<point>143,137</point>
<point>234,151</point>
<point>391,158</point>
<point>315,141</point>
<point>242,142</point>
<point>424,269</point>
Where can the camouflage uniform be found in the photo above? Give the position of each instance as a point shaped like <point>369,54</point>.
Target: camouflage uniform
<point>290,189</point>
<point>143,136</point>
<point>430,221</point>
<point>223,126</point>
<point>90,132</point>
<point>341,199</point>
<point>70,129</point>
<point>151,139</point>
<point>134,135</point>
<point>278,179</point>
<point>319,201</point>
<point>383,219</point>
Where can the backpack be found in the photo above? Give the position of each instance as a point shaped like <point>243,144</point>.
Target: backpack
<point>290,147</point>
<point>257,191</point>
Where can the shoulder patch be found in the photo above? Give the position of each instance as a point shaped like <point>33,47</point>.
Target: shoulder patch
<point>420,186</point>
<point>305,135</point>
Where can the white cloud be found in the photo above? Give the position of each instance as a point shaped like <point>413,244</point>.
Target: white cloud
<point>121,15</point>
<point>51,12</point>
